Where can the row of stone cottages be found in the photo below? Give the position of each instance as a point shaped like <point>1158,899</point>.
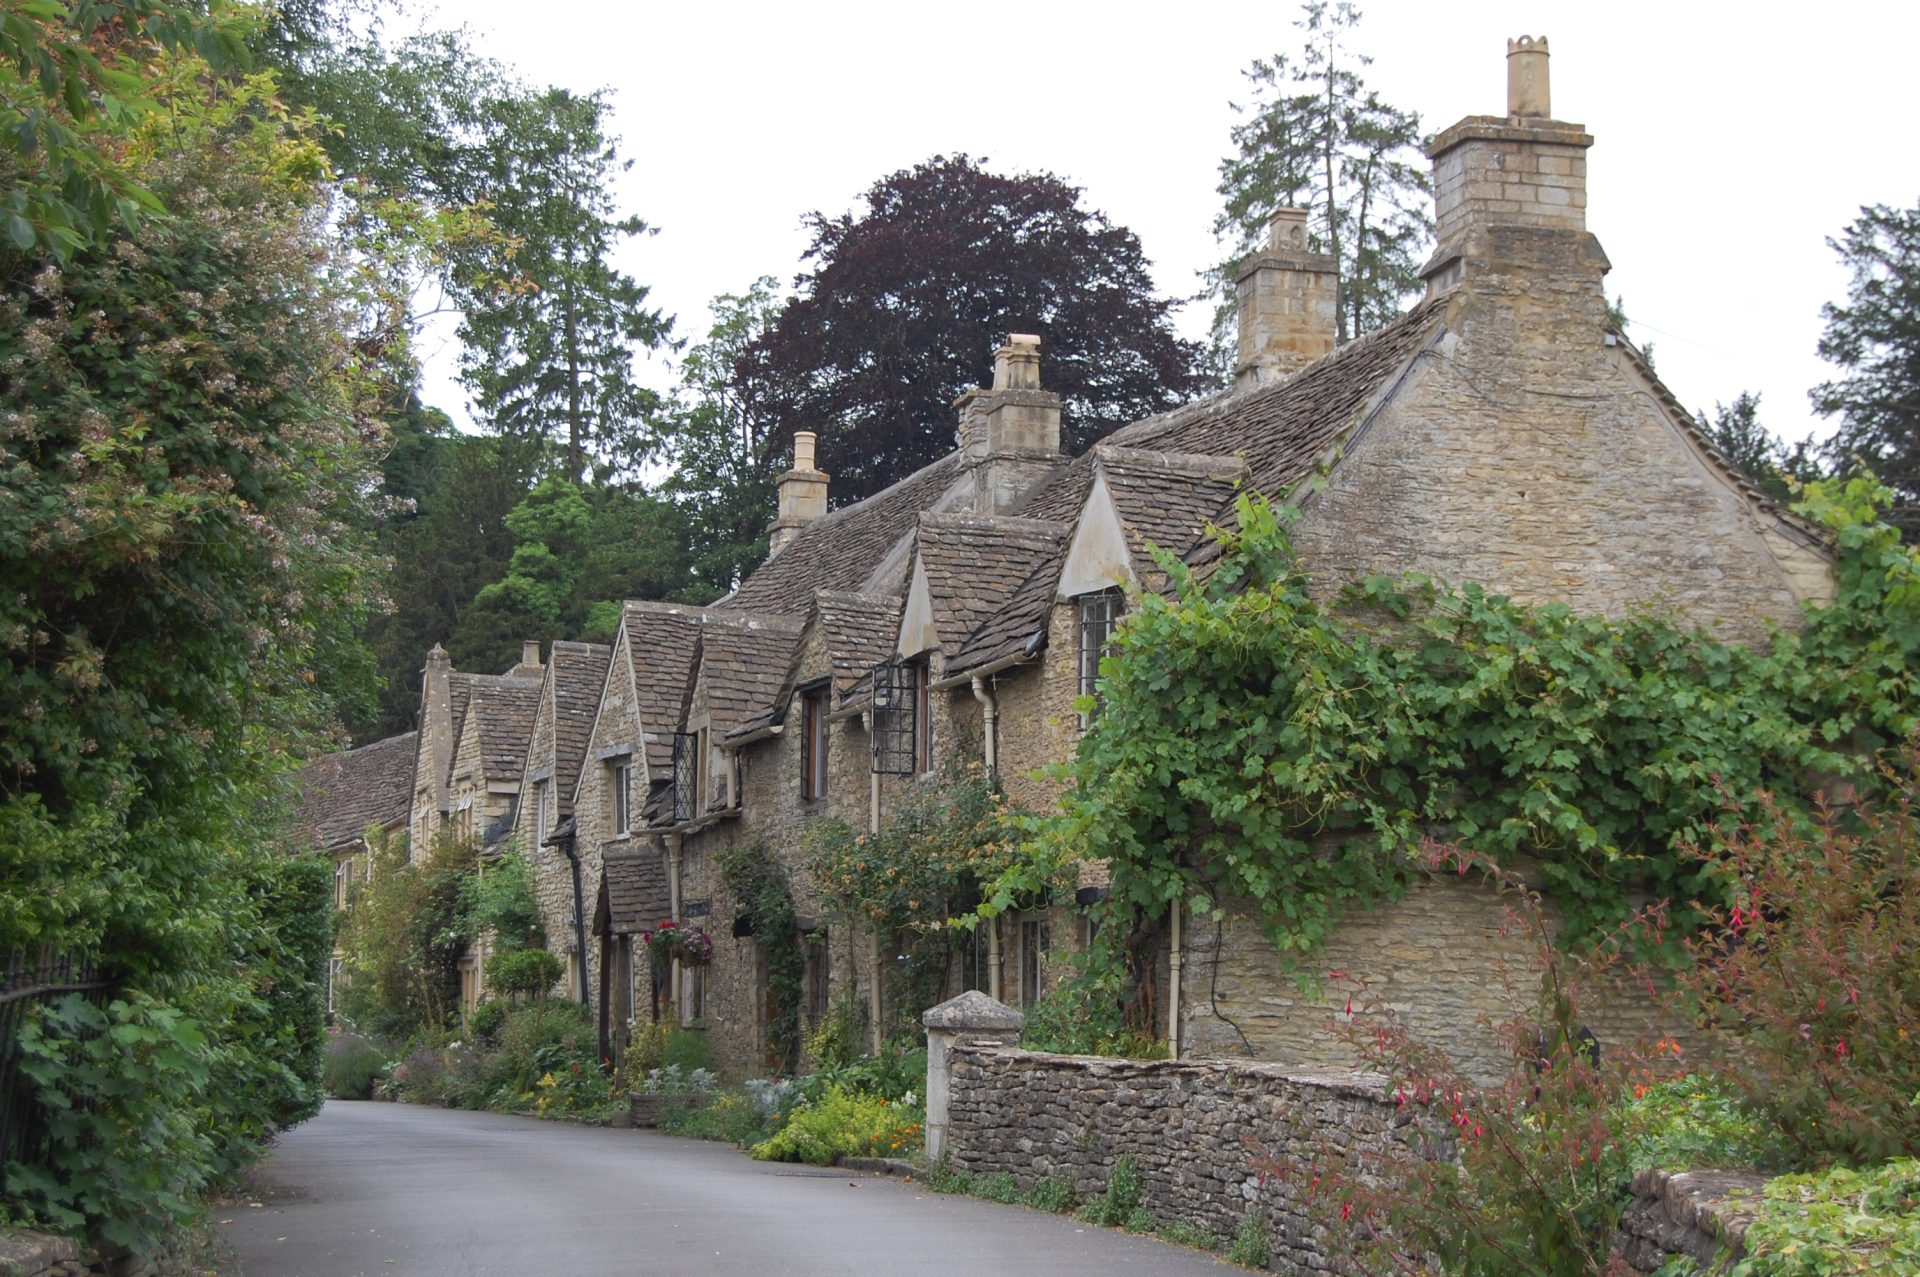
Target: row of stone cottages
<point>1499,432</point>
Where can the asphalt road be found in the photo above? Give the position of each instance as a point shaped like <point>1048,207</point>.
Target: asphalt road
<point>391,1190</point>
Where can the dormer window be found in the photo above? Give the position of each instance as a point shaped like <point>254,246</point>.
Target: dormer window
<point>1099,615</point>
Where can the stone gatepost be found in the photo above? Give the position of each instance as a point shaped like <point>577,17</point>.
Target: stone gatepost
<point>974,1017</point>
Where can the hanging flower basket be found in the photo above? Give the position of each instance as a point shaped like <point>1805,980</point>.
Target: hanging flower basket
<point>668,941</point>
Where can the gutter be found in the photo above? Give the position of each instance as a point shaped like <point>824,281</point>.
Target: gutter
<point>1036,643</point>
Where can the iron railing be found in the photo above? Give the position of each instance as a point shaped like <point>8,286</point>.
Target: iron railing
<point>30,979</point>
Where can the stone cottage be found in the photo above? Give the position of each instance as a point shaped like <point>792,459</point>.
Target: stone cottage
<point>1499,432</point>
<point>346,803</point>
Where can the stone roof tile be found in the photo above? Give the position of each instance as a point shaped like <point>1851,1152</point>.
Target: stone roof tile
<point>663,645</point>
<point>974,564</point>
<point>577,675</point>
<point>339,795</point>
<point>744,662</point>
<point>633,893</point>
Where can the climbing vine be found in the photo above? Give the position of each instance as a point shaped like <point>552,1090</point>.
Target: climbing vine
<point>923,870</point>
<point>758,883</point>
<point>1257,743</point>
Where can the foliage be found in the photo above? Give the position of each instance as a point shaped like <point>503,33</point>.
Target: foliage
<point>730,1117</point>
<point>525,973</point>
<point>835,1039</point>
<point>1837,1221</point>
<point>544,1059</point>
<point>72,82</point>
<point>549,326</point>
<point>923,868</point>
<point>672,1080</point>
<point>1696,1122</point>
<point>1527,1175</point>
<point>671,942</point>
<point>1082,1016</point>
<point>1250,1247</point>
<point>844,1123</point>
<point>1254,743</point>
<point>402,938</point>
<point>904,304</point>
<point>183,442</point>
<point>1756,452</point>
<point>120,1087</point>
<point>1813,966</point>
<point>1317,137</point>
<point>757,881</point>
<point>718,440</point>
<point>1114,1207</point>
<point>1874,340</point>
<point>353,1064</point>
<point>1055,1196</point>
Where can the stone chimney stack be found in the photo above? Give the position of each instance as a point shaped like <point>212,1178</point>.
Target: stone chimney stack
<point>1512,189</point>
<point>436,720</point>
<point>1288,298</point>
<point>1012,429</point>
<point>803,494</point>
<point>529,656</point>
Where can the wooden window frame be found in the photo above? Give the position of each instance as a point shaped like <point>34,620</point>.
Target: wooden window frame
<point>1097,616</point>
<point>622,797</point>
<point>814,744</point>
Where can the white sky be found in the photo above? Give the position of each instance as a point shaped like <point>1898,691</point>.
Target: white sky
<point>1731,141</point>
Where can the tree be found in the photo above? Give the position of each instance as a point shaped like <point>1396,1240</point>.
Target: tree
<point>906,302</point>
<point>549,325</point>
<point>1317,137</point>
<point>718,437</point>
<point>1875,340</point>
<point>1761,455</point>
<point>183,445</point>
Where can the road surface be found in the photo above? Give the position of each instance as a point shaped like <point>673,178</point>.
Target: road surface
<point>393,1190</point>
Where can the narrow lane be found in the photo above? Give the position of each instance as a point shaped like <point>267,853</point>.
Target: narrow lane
<point>392,1190</point>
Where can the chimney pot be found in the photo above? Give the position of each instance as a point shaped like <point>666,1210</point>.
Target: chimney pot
<point>1528,91</point>
<point>1016,365</point>
<point>802,493</point>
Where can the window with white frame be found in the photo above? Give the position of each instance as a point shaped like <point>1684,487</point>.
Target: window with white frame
<point>1099,614</point>
<point>622,797</point>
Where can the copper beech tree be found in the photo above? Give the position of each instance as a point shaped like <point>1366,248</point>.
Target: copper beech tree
<point>904,303</point>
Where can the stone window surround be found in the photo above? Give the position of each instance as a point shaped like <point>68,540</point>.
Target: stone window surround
<point>1097,615</point>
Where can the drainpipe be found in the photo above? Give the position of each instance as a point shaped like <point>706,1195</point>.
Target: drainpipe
<point>1173,986</point>
<point>873,946</point>
<point>673,842</point>
<point>989,725</point>
<point>579,914</point>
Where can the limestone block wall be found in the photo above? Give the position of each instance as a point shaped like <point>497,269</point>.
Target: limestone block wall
<point>1196,1131</point>
<point>1448,958</point>
<point>1525,454</point>
<point>1698,1215</point>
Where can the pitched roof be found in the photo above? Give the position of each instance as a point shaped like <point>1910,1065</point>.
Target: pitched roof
<point>501,709</point>
<point>745,662</point>
<point>633,893</point>
<point>840,550</point>
<point>859,630</point>
<point>1285,429</point>
<point>663,641</point>
<point>1165,499</point>
<point>577,672</point>
<point>973,564</point>
<point>1172,474</point>
<point>339,795</point>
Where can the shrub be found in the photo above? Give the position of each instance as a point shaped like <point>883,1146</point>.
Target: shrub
<point>1180,1233</point>
<point>485,1021</point>
<point>1814,968</point>
<point>1054,1196</point>
<point>844,1123</point>
<point>524,972</point>
<point>353,1063</point>
<point>1114,1208</point>
<point>1250,1247</point>
<point>1696,1122</point>
<point>646,1051</point>
<point>1837,1221</point>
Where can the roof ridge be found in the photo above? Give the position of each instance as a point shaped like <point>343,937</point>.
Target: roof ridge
<point>1194,463</point>
<point>953,522</point>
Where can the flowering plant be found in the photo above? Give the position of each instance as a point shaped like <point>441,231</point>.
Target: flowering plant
<point>668,941</point>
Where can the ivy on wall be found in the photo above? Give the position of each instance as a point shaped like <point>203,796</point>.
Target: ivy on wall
<point>759,886</point>
<point>1255,743</point>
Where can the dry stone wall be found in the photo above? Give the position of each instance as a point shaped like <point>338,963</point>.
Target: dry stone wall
<point>1197,1131</point>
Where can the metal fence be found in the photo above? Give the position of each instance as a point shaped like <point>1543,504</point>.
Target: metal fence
<point>32,978</point>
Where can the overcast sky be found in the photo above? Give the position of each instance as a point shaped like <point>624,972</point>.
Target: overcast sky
<point>1729,143</point>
